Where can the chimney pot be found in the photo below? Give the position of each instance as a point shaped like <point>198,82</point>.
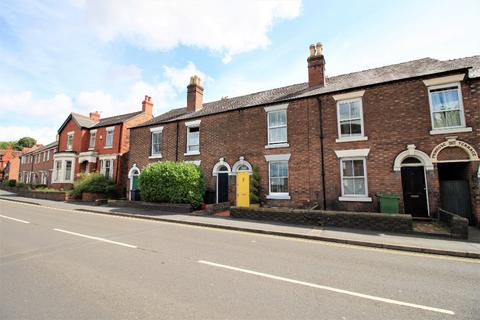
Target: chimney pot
<point>316,66</point>
<point>194,94</point>
<point>147,105</point>
<point>312,50</point>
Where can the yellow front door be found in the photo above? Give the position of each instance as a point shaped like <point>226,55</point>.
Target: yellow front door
<point>243,189</point>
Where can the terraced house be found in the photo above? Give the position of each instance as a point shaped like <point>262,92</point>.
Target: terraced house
<point>412,129</point>
<point>36,165</point>
<point>91,144</point>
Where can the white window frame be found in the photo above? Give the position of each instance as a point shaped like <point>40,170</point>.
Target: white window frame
<point>189,125</point>
<point>59,176</point>
<point>272,109</point>
<point>57,171</point>
<point>354,154</point>
<point>157,130</point>
<point>109,131</point>
<point>354,197</point>
<point>278,158</point>
<point>351,137</point>
<point>70,145</point>
<point>48,155</point>
<point>93,133</point>
<point>111,159</point>
<point>445,130</point>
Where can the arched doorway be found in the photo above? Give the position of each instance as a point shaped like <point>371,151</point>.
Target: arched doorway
<point>221,170</point>
<point>414,186</point>
<point>242,169</point>
<point>133,174</point>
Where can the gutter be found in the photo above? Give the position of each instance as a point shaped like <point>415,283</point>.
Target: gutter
<point>322,154</point>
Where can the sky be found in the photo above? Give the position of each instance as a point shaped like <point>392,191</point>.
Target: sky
<point>58,57</point>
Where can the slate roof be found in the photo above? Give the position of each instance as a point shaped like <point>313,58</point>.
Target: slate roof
<point>411,69</point>
<point>43,148</point>
<point>116,119</point>
<point>86,122</point>
<point>83,121</point>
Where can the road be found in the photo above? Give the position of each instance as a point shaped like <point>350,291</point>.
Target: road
<point>61,264</point>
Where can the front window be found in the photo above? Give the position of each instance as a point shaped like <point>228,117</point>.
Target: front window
<point>353,177</point>
<point>193,139</point>
<point>277,127</point>
<point>68,170</point>
<point>107,168</point>
<point>58,169</point>
<point>278,177</point>
<point>350,122</point>
<point>70,141</point>
<point>156,143</point>
<point>109,138</point>
<point>446,106</point>
<point>93,138</point>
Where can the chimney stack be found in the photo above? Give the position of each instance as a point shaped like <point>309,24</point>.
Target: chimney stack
<point>194,94</point>
<point>316,66</point>
<point>95,116</point>
<point>147,105</point>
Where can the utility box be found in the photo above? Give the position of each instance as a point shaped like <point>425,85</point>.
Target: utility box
<point>389,203</point>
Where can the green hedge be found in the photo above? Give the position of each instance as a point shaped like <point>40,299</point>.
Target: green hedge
<point>172,182</point>
<point>93,182</point>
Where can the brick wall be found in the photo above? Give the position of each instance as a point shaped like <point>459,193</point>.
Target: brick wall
<point>396,114</point>
<point>341,219</point>
<point>234,134</point>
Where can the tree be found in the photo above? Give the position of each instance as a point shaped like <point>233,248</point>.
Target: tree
<point>5,144</point>
<point>25,142</point>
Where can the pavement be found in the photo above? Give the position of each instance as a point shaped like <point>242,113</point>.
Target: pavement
<point>402,242</point>
<point>59,263</point>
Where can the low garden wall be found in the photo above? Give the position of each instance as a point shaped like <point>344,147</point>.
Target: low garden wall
<point>47,195</point>
<point>342,219</point>
<point>165,207</point>
<point>458,225</point>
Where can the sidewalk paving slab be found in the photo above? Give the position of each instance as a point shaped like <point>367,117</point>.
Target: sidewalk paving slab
<point>412,243</point>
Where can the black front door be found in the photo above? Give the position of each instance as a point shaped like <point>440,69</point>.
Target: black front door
<point>414,191</point>
<point>222,187</point>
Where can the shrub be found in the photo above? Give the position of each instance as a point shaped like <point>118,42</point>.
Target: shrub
<point>255,186</point>
<point>9,183</point>
<point>173,182</point>
<point>93,182</point>
<point>21,185</point>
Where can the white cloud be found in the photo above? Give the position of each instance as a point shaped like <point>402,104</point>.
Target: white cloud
<point>40,118</point>
<point>43,135</point>
<point>225,27</point>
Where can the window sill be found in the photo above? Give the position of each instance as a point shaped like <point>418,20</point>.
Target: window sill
<point>285,196</point>
<point>192,153</point>
<point>355,199</point>
<point>278,145</point>
<point>351,139</point>
<point>91,149</point>
<point>107,147</point>
<point>158,156</point>
<point>453,130</point>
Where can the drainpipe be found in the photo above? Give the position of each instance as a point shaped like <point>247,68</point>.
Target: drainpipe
<point>176,145</point>
<point>322,155</point>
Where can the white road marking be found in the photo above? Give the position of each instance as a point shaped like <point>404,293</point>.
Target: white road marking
<point>97,238</point>
<point>313,285</point>
<point>18,220</point>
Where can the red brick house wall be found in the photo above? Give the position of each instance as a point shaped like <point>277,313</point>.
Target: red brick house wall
<point>396,114</point>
